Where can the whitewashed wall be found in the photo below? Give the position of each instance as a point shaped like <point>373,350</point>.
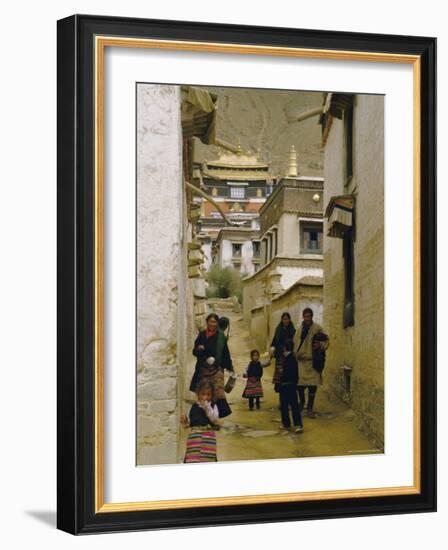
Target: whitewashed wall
<point>225,251</point>
<point>362,345</point>
<point>160,294</point>
<point>246,259</point>
<point>247,253</point>
<point>292,274</point>
<point>207,249</point>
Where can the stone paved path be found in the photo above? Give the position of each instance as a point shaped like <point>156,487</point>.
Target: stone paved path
<point>258,435</point>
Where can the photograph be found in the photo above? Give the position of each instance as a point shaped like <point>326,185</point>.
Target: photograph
<point>278,273</point>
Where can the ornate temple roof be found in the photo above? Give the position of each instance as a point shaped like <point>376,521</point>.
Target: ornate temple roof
<point>237,166</point>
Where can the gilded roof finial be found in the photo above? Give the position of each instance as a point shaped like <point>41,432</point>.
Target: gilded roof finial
<point>292,167</point>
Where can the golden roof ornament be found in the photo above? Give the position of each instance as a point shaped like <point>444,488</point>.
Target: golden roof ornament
<point>292,166</point>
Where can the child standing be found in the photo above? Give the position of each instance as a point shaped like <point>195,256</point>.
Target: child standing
<point>201,441</point>
<point>254,372</point>
<point>288,389</point>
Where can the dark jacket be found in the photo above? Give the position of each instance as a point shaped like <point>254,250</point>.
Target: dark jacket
<point>211,350</point>
<point>290,374</point>
<point>254,370</point>
<point>281,335</point>
<point>319,355</point>
<point>197,416</point>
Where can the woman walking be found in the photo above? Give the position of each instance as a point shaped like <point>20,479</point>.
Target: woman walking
<point>309,339</point>
<point>285,331</point>
<point>213,357</point>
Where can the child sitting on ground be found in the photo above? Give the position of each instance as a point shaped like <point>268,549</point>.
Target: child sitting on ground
<point>254,372</point>
<point>288,389</point>
<point>201,441</point>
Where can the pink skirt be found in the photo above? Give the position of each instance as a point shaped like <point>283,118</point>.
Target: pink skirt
<point>253,388</point>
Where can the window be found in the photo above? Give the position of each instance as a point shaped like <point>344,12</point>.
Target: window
<point>347,378</point>
<point>256,249</point>
<point>237,266</point>
<point>269,247</point>
<point>311,238</point>
<point>349,275</point>
<point>237,192</point>
<point>236,250</point>
<point>348,130</point>
<point>263,251</point>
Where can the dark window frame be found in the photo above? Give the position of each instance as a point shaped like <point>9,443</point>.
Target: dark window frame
<point>316,226</point>
<point>348,253</point>
<point>237,250</point>
<point>349,143</point>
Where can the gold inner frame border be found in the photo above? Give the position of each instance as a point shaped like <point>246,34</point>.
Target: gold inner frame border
<point>101,42</point>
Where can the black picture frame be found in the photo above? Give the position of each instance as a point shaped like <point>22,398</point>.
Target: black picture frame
<point>76,224</point>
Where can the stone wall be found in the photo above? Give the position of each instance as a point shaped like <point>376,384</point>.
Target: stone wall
<point>256,289</point>
<point>196,312</point>
<point>253,292</point>
<point>161,273</point>
<point>360,347</point>
<point>308,292</point>
<point>258,327</point>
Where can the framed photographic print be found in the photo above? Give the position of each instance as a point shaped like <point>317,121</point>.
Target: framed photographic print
<point>246,274</point>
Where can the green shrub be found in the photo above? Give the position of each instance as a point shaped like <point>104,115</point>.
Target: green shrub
<point>211,292</point>
<point>223,282</point>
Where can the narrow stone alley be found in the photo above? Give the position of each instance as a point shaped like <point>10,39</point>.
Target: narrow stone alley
<point>257,434</point>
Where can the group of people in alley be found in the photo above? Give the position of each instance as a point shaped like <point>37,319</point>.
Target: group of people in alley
<point>299,356</point>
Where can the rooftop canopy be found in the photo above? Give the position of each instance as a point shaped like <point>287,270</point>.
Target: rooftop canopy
<point>198,114</point>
